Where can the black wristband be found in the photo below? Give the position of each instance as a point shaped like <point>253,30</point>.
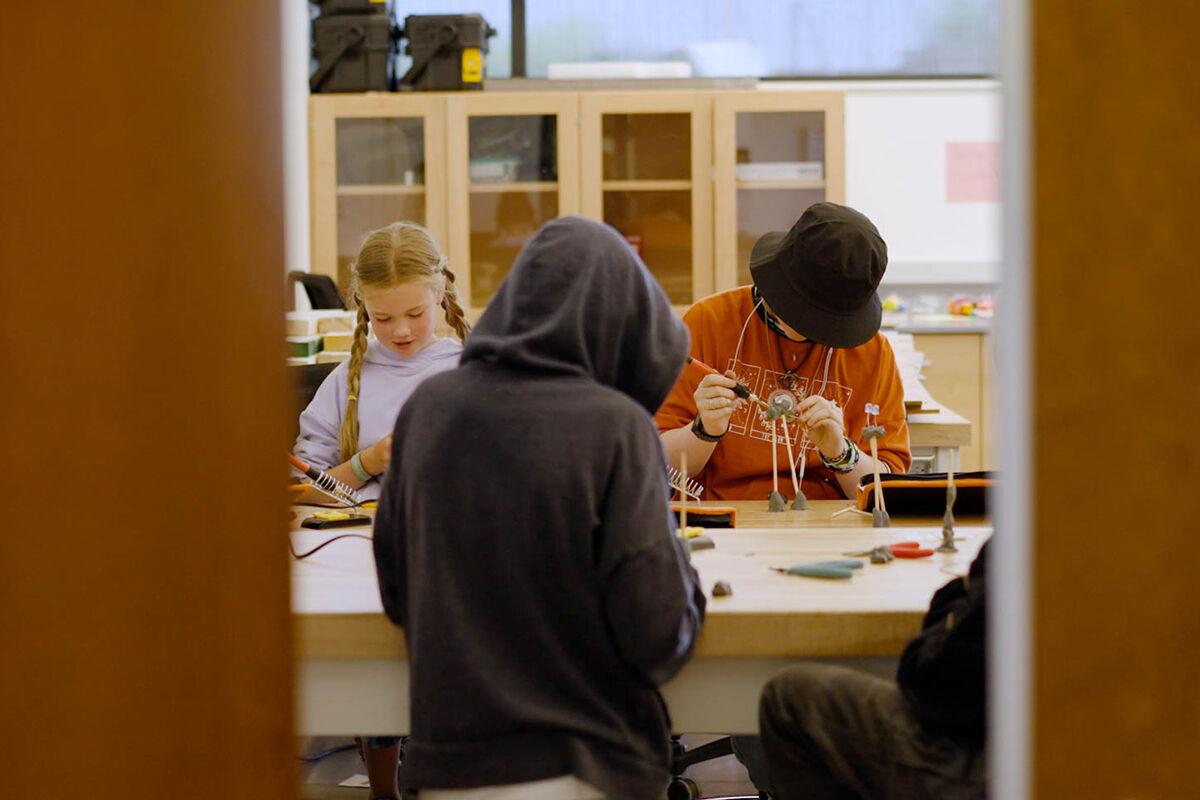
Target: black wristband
<point>703,435</point>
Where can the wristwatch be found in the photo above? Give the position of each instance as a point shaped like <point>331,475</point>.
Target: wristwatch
<point>703,435</point>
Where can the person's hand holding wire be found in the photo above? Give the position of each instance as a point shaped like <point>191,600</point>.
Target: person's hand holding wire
<point>825,424</point>
<point>716,402</point>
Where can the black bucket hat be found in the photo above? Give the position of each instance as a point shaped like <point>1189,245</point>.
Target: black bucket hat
<point>820,277</point>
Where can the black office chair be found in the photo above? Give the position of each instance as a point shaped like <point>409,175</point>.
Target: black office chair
<point>682,788</point>
<point>307,379</point>
<point>322,291</point>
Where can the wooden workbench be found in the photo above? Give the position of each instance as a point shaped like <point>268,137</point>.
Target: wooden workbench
<point>940,433</point>
<point>352,676</point>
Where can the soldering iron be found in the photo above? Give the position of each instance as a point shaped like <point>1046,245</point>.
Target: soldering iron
<point>739,388</point>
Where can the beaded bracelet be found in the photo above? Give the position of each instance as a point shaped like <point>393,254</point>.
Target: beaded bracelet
<point>848,460</point>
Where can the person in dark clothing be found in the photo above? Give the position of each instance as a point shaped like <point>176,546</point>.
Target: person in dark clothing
<point>831,732</point>
<point>524,539</point>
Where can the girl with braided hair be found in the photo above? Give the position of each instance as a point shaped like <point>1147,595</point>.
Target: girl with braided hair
<point>399,282</point>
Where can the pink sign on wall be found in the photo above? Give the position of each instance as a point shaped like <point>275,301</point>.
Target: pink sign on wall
<point>972,172</point>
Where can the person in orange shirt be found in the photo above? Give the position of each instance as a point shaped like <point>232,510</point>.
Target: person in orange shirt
<point>804,337</point>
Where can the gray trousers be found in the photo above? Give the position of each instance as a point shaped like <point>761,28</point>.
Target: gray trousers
<point>836,733</point>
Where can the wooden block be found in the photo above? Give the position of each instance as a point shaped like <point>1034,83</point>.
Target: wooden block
<point>341,340</point>
<point>332,356</point>
<point>300,326</point>
<point>312,322</point>
<point>336,321</point>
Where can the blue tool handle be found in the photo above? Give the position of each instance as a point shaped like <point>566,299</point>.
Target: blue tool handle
<point>819,571</point>
<point>841,563</point>
<point>838,568</point>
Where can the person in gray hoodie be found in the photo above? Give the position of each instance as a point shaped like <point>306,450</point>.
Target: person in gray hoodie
<point>524,540</point>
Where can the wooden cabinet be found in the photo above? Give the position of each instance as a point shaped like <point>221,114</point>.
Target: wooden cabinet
<point>775,154</point>
<point>646,168</point>
<point>512,165</point>
<point>484,170</point>
<point>988,457</point>
<point>958,373</point>
<point>373,159</point>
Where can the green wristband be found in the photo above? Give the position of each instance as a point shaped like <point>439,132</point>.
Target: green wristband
<point>357,466</point>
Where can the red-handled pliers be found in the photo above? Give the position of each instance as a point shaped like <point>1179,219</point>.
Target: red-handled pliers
<point>910,550</point>
<point>898,550</point>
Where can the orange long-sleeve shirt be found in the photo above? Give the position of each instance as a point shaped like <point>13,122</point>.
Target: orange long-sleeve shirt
<point>740,466</point>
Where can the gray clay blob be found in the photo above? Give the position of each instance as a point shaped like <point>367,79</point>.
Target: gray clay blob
<point>882,555</point>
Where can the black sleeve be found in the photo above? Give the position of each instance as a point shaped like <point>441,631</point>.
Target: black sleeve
<point>653,601</point>
<point>942,672</point>
<point>391,562</point>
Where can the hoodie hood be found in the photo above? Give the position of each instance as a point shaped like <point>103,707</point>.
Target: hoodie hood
<point>578,301</point>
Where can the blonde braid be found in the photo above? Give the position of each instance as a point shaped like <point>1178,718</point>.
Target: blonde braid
<point>455,317</point>
<point>348,435</point>
<point>399,253</point>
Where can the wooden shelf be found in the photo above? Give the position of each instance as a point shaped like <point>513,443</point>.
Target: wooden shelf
<point>646,186</point>
<point>378,189</point>
<point>518,186</point>
<point>783,184</point>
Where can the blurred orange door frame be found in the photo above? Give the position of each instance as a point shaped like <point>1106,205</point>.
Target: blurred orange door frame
<point>144,626</point>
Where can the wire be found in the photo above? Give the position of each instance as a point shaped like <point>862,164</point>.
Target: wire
<point>849,510</point>
<point>302,556</point>
<point>737,352</point>
<point>339,504</point>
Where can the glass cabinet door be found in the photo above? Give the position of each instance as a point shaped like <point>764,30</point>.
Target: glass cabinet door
<point>645,160</point>
<point>512,174</point>
<point>512,169</point>
<point>380,180</point>
<point>777,154</point>
<point>780,171</point>
<point>371,162</point>
<point>647,186</point>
